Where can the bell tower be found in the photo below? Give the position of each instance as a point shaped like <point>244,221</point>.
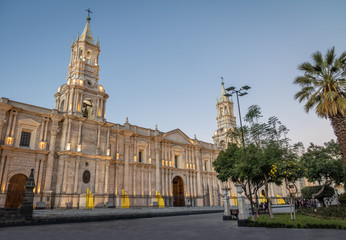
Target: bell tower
<point>225,119</point>
<point>82,95</point>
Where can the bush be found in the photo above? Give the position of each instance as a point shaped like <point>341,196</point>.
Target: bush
<point>342,199</point>
<point>308,191</point>
<point>302,221</point>
<point>331,212</point>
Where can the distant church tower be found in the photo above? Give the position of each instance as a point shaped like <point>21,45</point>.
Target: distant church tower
<point>82,95</point>
<point>225,119</point>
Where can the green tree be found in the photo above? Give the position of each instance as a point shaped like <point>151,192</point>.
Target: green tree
<point>323,87</point>
<point>266,145</point>
<point>323,164</point>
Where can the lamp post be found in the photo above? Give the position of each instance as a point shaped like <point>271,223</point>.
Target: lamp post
<point>241,92</point>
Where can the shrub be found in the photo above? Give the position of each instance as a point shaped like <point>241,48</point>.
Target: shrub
<point>308,191</point>
<point>342,199</point>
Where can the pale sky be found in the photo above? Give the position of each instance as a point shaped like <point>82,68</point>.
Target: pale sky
<point>161,61</point>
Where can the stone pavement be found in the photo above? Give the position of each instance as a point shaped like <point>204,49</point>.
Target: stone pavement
<point>56,216</point>
<point>199,227</point>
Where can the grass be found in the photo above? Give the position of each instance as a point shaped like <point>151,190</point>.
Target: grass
<point>302,221</point>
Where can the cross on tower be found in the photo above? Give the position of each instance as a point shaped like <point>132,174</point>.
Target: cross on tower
<point>222,80</point>
<point>88,10</point>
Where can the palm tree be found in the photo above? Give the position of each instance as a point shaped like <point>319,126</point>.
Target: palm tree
<point>323,87</point>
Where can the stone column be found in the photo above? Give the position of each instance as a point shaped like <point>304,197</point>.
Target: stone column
<point>157,167</point>
<point>199,180</point>
<point>64,181</point>
<point>4,165</point>
<point>40,176</point>
<point>243,213</point>
<point>96,176</point>
<point>14,124</point>
<point>106,176</point>
<point>126,180</point>
<point>50,161</point>
<point>142,181</point>
<point>76,170</point>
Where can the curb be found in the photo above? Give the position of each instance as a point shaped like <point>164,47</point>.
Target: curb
<point>97,218</point>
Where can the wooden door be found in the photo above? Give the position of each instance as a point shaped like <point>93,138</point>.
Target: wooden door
<point>15,191</point>
<point>178,192</point>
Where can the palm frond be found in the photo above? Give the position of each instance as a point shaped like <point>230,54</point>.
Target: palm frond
<point>330,56</point>
<point>318,59</point>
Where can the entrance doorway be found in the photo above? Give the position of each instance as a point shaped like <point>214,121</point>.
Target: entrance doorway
<point>178,192</point>
<point>15,191</point>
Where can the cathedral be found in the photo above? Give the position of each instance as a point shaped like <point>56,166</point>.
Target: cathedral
<point>74,150</point>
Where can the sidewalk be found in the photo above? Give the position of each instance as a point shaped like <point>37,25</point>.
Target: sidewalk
<point>55,216</point>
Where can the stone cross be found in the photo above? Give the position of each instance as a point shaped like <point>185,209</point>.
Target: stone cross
<point>88,10</point>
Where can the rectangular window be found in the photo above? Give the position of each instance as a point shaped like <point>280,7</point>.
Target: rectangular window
<point>25,139</point>
<point>139,156</point>
<point>176,161</point>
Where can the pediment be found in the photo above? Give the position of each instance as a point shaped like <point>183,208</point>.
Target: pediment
<point>177,136</point>
<point>28,121</point>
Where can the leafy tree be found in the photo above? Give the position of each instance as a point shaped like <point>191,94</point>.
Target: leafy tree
<point>324,87</point>
<point>323,164</point>
<point>266,147</point>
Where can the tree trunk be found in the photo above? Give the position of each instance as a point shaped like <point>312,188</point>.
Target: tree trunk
<point>266,188</point>
<point>287,187</point>
<point>339,125</point>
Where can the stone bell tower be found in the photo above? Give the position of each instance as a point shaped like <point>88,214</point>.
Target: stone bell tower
<point>225,119</point>
<point>82,95</point>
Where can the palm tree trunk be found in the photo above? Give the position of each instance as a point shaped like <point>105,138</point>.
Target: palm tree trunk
<point>339,125</point>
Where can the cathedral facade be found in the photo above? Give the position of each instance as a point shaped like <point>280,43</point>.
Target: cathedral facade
<point>73,149</point>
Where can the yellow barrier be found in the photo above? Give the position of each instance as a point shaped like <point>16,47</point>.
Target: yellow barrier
<point>159,199</point>
<point>280,199</point>
<point>89,200</point>
<point>235,199</point>
<point>125,202</point>
<point>262,198</point>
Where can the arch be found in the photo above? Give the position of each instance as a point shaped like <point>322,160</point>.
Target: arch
<point>87,109</point>
<point>62,106</point>
<point>178,192</point>
<point>15,191</point>
<point>222,144</point>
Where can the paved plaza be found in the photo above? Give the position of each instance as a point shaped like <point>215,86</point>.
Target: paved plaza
<point>201,226</point>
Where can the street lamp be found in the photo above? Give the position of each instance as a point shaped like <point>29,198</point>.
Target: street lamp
<point>241,92</point>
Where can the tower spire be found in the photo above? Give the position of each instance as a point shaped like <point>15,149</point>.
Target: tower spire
<point>86,35</point>
<point>223,98</point>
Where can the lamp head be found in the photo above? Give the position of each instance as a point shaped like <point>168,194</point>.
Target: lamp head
<point>246,87</point>
<point>242,94</point>
<point>230,89</point>
<point>228,95</point>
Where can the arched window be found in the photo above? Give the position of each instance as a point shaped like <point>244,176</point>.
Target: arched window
<point>62,106</point>
<point>87,109</point>
<point>222,144</point>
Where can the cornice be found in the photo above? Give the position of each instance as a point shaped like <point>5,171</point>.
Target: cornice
<point>81,154</point>
<point>24,150</point>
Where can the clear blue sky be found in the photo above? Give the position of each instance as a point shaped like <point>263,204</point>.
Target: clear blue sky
<point>161,61</point>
